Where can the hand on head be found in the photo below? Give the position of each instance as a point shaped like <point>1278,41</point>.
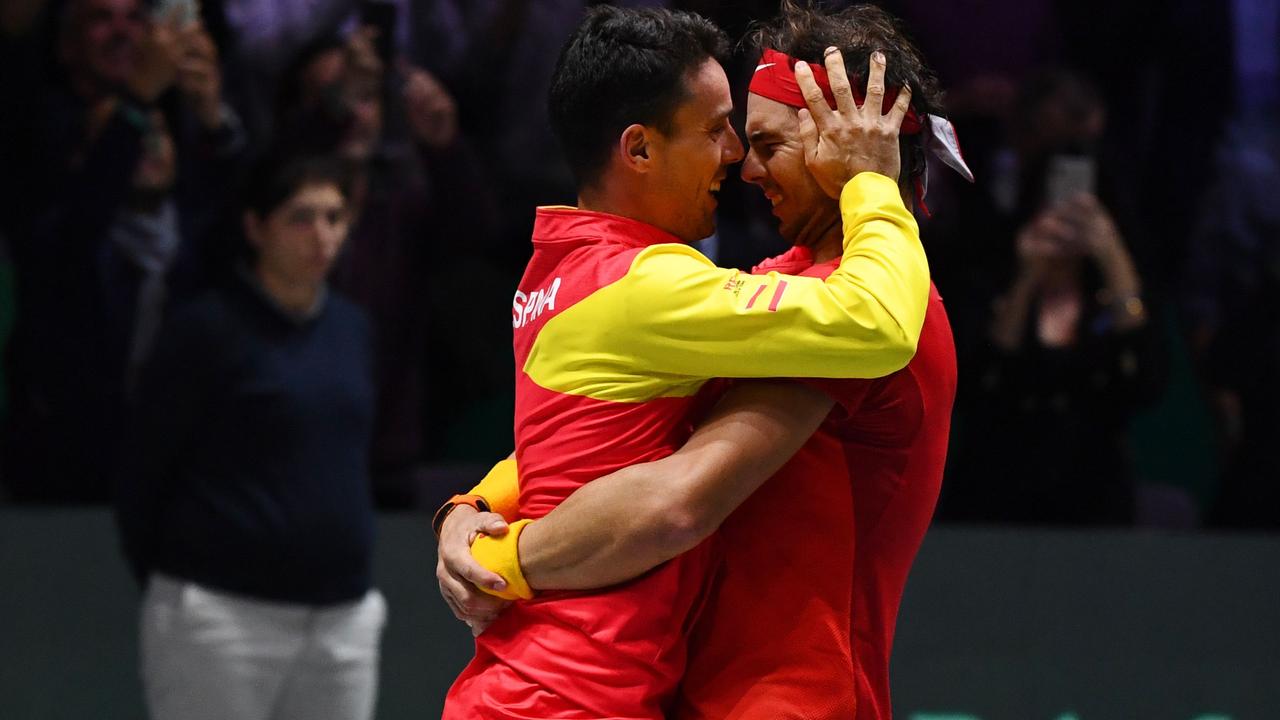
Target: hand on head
<point>849,140</point>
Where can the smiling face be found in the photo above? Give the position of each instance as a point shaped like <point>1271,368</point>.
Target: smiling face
<point>776,163</point>
<point>690,161</point>
<point>104,38</point>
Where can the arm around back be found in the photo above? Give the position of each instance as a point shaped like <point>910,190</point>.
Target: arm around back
<point>619,526</point>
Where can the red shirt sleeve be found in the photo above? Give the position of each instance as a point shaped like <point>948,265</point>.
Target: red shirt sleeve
<point>848,394</point>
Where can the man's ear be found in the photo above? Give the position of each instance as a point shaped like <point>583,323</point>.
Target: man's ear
<point>634,146</point>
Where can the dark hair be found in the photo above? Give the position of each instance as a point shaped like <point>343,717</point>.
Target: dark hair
<point>622,67</point>
<point>278,175</point>
<point>805,32</point>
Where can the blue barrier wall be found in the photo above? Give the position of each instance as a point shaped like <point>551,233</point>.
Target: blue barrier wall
<point>996,625</point>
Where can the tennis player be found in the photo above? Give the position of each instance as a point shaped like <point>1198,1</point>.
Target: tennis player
<point>618,324</point>
<point>801,619</point>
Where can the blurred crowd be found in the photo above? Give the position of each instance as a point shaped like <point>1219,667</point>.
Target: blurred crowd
<point>1111,276</point>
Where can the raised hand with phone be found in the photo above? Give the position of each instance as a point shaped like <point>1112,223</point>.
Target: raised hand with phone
<point>370,64</point>
<point>1058,351</point>
<point>1050,249</point>
<point>430,111</point>
<point>177,51</point>
<point>159,52</point>
<point>199,77</point>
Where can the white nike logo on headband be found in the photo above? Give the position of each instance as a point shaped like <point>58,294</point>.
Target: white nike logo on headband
<point>761,67</point>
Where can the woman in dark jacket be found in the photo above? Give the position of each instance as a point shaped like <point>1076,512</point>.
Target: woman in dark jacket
<point>1057,350</point>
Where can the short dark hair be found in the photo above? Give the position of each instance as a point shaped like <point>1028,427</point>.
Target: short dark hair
<point>804,32</point>
<point>278,175</point>
<point>621,67</point>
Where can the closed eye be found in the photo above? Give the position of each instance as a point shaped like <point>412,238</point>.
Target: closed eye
<point>765,149</point>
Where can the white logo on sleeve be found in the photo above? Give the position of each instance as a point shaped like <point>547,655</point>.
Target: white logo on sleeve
<point>526,308</point>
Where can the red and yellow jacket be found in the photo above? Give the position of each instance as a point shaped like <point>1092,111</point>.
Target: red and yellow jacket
<point>616,327</point>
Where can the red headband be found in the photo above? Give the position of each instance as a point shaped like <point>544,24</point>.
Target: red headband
<point>775,78</point>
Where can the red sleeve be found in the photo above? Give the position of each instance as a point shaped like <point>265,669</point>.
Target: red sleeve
<point>848,394</point>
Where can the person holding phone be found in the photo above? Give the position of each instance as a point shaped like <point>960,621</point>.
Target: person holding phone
<point>1057,347</point>
<point>130,158</point>
<point>421,215</point>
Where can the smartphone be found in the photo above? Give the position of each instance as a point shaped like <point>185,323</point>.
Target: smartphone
<point>180,12</point>
<point>1068,176</point>
<point>381,14</point>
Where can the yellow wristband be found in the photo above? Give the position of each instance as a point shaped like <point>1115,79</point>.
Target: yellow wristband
<point>502,556</point>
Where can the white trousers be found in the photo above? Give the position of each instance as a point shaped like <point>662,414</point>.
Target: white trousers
<point>207,655</point>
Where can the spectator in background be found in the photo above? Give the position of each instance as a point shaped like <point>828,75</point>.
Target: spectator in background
<point>420,215</point>
<point>498,56</point>
<point>23,30</point>
<point>245,506</point>
<point>266,36</point>
<point>1057,351</point>
<point>6,324</point>
<point>1233,293</point>
<point>132,153</point>
<point>1232,283</point>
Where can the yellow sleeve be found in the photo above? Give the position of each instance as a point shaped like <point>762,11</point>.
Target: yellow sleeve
<point>678,315</point>
<point>501,489</point>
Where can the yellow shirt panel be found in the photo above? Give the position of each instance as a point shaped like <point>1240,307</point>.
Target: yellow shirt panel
<point>676,319</point>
